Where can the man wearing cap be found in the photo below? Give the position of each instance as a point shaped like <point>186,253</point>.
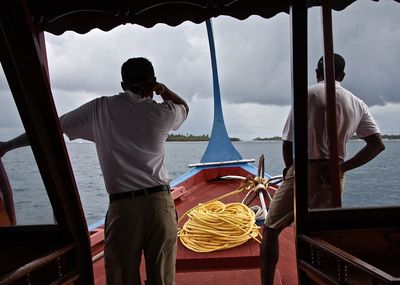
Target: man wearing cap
<point>353,117</point>
<point>130,130</point>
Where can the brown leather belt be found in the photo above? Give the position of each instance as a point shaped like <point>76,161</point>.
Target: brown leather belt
<point>140,192</point>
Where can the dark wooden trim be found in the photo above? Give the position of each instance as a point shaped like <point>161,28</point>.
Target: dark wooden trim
<point>7,195</point>
<point>28,229</point>
<point>298,16</point>
<point>34,265</point>
<point>349,259</point>
<point>354,218</point>
<point>299,52</point>
<point>21,51</point>
<point>31,234</point>
<point>315,274</point>
<point>22,244</point>
<point>4,219</point>
<point>69,278</point>
<point>330,94</point>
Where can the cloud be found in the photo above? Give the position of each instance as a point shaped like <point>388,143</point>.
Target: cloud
<point>253,62</point>
<point>386,118</point>
<point>253,55</point>
<point>9,117</point>
<point>91,63</point>
<point>367,35</point>
<point>250,120</point>
<point>242,120</point>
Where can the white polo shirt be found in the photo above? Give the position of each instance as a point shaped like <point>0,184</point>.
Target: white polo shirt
<point>353,117</point>
<point>129,133</point>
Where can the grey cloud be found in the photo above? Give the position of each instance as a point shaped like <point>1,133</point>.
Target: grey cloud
<point>373,53</point>
<point>9,117</point>
<point>83,64</point>
<point>253,60</point>
<point>253,55</point>
<point>367,35</point>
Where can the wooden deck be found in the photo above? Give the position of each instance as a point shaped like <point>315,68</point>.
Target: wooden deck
<point>245,256</point>
<point>233,266</point>
<point>286,270</point>
<point>238,265</point>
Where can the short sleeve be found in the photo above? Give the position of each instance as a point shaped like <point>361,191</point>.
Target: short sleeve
<point>367,125</point>
<point>77,124</point>
<point>180,114</point>
<point>287,133</point>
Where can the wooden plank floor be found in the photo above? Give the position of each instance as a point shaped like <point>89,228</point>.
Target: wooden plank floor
<point>238,265</point>
<point>245,256</point>
<point>286,270</point>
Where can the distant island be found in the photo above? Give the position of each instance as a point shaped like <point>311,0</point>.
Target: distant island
<point>200,138</point>
<point>191,138</point>
<point>187,137</point>
<point>391,137</point>
<point>276,138</point>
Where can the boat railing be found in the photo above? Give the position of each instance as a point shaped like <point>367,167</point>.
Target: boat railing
<point>326,263</point>
<point>51,266</point>
<point>216,163</point>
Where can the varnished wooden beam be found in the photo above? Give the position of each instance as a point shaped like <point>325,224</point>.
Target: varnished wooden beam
<point>330,93</point>
<point>21,52</point>
<point>7,211</point>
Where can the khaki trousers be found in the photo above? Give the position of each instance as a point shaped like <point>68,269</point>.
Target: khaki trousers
<point>143,224</point>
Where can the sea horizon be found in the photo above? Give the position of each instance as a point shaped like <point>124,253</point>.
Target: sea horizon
<point>374,184</point>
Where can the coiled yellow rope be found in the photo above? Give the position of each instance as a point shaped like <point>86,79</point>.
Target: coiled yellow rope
<point>216,226</point>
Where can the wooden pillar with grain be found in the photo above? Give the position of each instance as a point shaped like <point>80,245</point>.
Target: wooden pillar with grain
<point>329,75</point>
<point>7,210</point>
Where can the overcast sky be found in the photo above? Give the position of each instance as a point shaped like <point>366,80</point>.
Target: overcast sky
<point>253,62</point>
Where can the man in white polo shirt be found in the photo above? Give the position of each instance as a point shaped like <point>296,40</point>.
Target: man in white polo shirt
<point>353,117</point>
<point>130,130</point>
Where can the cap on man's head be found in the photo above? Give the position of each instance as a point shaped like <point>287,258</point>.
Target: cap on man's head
<point>339,64</point>
<point>137,70</point>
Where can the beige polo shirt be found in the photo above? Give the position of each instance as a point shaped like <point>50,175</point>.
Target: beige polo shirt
<point>130,134</point>
<point>353,117</point>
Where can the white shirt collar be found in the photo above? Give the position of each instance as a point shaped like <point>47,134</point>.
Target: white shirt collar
<point>337,83</point>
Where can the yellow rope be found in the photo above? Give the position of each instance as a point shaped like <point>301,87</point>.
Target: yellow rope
<point>216,226</point>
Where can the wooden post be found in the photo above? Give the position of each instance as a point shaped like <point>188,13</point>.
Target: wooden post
<point>21,55</point>
<point>329,68</point>
<point>7,211</point>
<point>298,18</point>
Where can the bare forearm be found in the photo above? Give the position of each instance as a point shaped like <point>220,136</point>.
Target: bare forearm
<point>362,157</point>
<point>17,142</point>
<point>167,94</point>
<point>287,152</point>
<point>373,147</point>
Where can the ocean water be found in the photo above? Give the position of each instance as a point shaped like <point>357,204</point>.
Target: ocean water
<point>374,184</point>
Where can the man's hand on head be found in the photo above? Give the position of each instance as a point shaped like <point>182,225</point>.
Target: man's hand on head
<point>147,89</point>
<point>159,88</point>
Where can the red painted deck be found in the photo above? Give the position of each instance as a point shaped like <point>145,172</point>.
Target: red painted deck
<point>238,265</point>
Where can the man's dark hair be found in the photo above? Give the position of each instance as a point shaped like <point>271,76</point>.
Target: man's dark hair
<point>339,65</point>
<point>136,71</point>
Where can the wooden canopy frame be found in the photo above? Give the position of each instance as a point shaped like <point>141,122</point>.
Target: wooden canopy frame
<point>23,57</point>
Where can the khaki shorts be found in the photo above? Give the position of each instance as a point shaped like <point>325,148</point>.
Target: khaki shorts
<point>280,214</point>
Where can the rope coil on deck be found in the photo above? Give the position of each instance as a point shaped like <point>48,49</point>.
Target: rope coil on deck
<point>214,226</point>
